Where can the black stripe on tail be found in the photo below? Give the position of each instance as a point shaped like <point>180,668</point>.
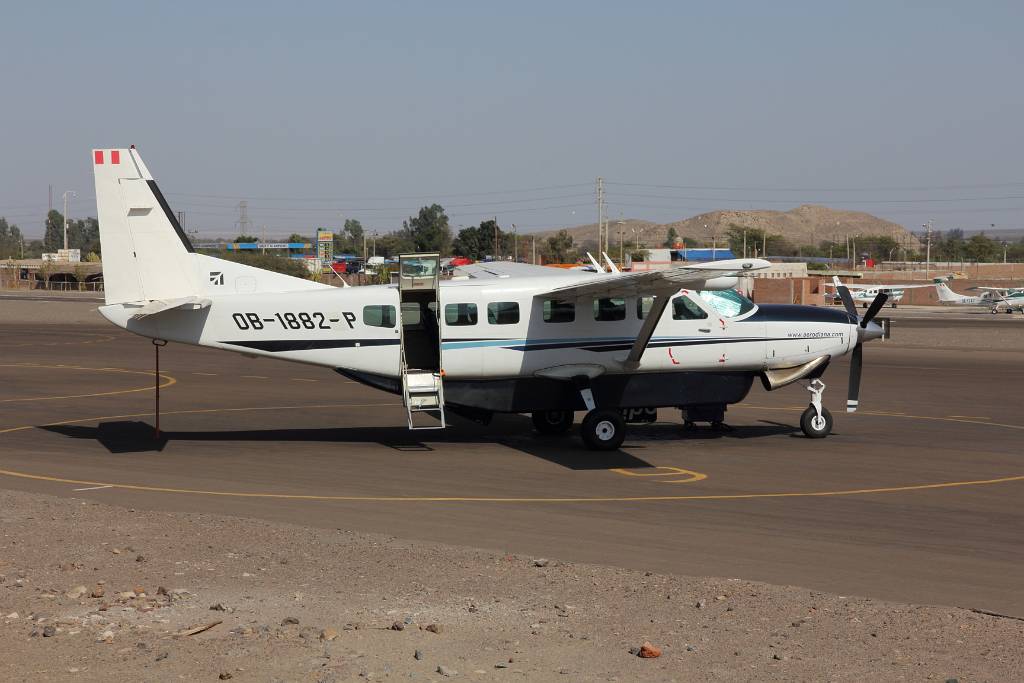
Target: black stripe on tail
<point>171,217</point>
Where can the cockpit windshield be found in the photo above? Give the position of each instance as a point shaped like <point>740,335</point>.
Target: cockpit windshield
<point>728,302</point>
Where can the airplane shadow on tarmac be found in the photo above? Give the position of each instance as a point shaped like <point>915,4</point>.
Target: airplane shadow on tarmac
<point>126,437</point>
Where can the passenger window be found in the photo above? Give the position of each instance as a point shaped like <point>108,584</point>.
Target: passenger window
<point>609,309</point>
<point>643,306</point>
<point>683,308</point>
<point>460,314</point>
<point>503,313</point>
<point>379,316</point>
<point>556,311</point>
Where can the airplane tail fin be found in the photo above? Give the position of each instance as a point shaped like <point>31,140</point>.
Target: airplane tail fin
<point>146,254</point>
<point>945,293</point>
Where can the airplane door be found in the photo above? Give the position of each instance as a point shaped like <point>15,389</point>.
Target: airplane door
<point>420,340</point>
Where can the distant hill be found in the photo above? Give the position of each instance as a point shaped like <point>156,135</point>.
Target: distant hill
<point>807,224</point>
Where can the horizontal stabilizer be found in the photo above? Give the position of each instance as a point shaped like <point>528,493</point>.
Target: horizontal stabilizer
<point>188,303</point>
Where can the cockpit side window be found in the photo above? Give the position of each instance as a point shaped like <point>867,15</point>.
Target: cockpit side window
<point>727,302</point>
<point>685,308</point>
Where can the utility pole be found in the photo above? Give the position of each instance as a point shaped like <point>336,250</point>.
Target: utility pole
<point>515,244</point>
<point>73,194</point>
<point>622,256</point>
<point>264,239</point>
<point>928,249</point>
<point>49,207</point>
<point>497,247</point>
<point>534,261</point>
<point>601,236</point>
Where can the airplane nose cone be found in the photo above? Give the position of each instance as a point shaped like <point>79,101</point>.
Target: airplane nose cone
<point>872,331</point>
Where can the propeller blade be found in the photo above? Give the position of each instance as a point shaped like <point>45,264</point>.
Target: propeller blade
<point>844,294</point>
<point>874,308</point>
<point>853,393</point>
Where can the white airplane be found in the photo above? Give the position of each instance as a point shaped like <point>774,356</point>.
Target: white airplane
<point>992,298</point>
<point>509,338</point>
<point>866,294</point>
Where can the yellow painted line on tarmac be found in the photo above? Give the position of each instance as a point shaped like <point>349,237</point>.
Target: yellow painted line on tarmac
<point>950,418</point>
<point>206,374</point>
<point>100,338</point>
<point>301,379</point>
<point>480,499</point>
<point>254,377</point>
<point>969,417</point>
<point>168,381</point>
<point>667,471</point>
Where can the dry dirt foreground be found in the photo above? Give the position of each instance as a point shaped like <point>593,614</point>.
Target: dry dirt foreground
<point>91,592</point>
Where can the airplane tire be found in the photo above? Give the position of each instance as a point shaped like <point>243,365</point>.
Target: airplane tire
<point>552,422</point>
<point>603,429</point>
<point>814,428</point>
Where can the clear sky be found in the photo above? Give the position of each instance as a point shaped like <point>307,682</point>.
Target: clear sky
<point>314,110</point>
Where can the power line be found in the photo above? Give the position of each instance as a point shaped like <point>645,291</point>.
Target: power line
<point>753,188</point>
<point>348,209</point>
<point>746,200</point>
<point>434,195</point>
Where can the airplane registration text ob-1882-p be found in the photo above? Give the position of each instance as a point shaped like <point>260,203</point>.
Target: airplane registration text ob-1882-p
<point>500,338</point>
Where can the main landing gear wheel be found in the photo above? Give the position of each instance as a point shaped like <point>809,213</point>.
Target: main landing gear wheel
<point>552,422</point>
<point>603,429</point>
<point>816,427</point>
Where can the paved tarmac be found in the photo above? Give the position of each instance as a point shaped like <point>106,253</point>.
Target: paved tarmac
<point>916,498</point>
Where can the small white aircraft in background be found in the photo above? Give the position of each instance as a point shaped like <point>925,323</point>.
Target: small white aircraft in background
<point>865,294</point>
<point>993,298</point>
<point>509,338</point>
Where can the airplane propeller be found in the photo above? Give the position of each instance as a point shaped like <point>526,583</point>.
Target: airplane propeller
<point>857,359</point>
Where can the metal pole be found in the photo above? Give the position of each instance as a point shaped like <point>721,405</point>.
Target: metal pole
<point>157,343</point>
<point>73,194</point>
<point>515,244</point>
<point>928,250</point>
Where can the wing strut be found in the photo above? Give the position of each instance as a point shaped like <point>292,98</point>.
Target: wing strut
<point>643,338</point>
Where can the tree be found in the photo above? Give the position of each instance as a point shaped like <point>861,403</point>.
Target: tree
<point>278,264</point>
<point>84,234</point>
<point>472,242</point>
<point>296,237</point>
<point>10,240</point>
<point>428,231</point>
<point>478,242</point>
<point>246,238</point>
<point>354,234</point>
<point>757,241</point>
<point>672,237</point>
<point>53,237</point>
<point>558,248</point>
<point>394,243</point>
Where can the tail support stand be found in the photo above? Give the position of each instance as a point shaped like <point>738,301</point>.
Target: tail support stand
<point>157,343</point>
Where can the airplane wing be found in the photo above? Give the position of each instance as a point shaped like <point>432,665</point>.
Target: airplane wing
<point>881,288</point>
<point>661,284</point>
<point>506,269</point>
<point>189,303</point>
<point>655,282</point>
<point>1001,290</point>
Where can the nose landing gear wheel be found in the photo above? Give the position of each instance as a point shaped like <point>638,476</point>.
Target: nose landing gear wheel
<point>816,427</point>
<point>603,429</point>
<point>552,422</point>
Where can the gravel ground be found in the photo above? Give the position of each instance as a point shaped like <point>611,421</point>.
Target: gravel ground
<point>92,592</point>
